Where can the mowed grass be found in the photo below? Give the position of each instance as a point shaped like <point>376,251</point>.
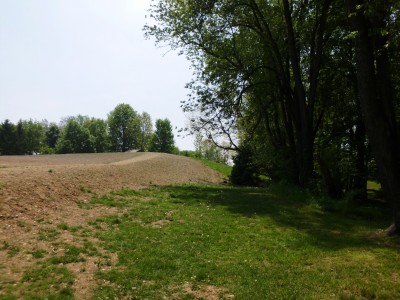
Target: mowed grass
<point>199,242</point>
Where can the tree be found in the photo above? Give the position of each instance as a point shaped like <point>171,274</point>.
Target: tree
<point>7,138</point>
<point>279,73</point>
<point>163,138</point>
<point>370,23</point>
<point>75,139</point>
<point>52,135</point>
<point>34,136</point>
<point>124,128</point>
<point>146,132</point>
<point>98,131</point>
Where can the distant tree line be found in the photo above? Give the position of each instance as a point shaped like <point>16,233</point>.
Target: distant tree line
<point>123,130</point>
<point>206,149</point>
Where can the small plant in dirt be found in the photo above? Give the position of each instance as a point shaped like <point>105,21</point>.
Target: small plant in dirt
<point>72,255</point>
<point>66,227</point>
<point>48,234</point>
<point>38,253</point>
<point>85,189</point>
<point>11,249</point>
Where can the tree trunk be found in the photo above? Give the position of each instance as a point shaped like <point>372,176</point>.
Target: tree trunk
<point>377,108</point>
<point>305,130</point>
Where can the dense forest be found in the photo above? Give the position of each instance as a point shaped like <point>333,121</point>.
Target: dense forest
<point>124,130</point>
<point>306,91</point>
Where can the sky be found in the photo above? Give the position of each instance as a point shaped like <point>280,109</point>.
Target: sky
<point>62,58</point>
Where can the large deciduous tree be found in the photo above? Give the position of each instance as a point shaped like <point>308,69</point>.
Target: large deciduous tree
<point>146,132</point>
<point>285,79</point>
<point>99,131</point>
<point>124,128</point>
<point>75,138</point>
<point>263,54</point>
<point>370,22</point>
<point>163,138</point>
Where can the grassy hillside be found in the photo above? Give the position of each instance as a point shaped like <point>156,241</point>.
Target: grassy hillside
<point>219,167</point>
<point>199,242</point>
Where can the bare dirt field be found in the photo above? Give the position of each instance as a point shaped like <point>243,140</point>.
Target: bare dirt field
<point>38,190</point>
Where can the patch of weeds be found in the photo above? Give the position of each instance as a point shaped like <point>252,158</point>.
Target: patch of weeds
<point>63,226</point>
<point>85,205</point>
<point>126,193</point>
<point>109,200</point>
<point>66,227</point>
<point>11,250</point>
<point>5,245</point>
<point>84,189</point>
<point>38,253</point>
<point>112,221</point>
<point>48,282</point>
<point>90,249</point>
<point>72,255</point>
<point>41,220</point>
<point>50,170</point>
<point>48,234</point>
<point>21,224</point>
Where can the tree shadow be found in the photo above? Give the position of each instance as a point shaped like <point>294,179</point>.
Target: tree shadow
<point>327,225</point>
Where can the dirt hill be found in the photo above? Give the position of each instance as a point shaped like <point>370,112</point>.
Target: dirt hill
<point>33,186</point>
<point>38,193</point>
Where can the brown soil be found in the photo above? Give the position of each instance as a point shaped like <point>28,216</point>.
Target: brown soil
<point>39,192</point>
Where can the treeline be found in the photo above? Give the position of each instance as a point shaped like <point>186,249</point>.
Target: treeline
<point>124,130</point>
<point>306,91</point>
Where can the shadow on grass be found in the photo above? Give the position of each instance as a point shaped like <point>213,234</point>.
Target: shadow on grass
<point>328,224</point>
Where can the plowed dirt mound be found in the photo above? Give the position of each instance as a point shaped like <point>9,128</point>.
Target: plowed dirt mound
<point>32,186</point>
<point>39,192</point>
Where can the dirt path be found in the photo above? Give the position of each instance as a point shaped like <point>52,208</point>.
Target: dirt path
<point>38,192</point>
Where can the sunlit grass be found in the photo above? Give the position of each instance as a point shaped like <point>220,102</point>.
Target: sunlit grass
<point>219,167</point>
<point>194,242</point>
<point>251,243</point>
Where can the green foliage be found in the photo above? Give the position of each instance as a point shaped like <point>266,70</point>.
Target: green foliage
<point>7,138</point>
<point>75,138</point>
<point>207,149</point>
<point>52,135</point>
<point>124,130</point>
<point>98,131</point>
<point>124,127</point>
<point>163,138</point>
<point>146,132</point>
<point>244,171</point>
<point>293,96</point>
<point>27,137</point>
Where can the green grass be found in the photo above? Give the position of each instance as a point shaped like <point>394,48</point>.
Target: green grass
<point>373,185</point>
<point>180,242</point>
<point>219,167</point>
<point>254,243</point>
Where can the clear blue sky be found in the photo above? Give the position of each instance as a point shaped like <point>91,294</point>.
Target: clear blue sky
<point>62,58</point>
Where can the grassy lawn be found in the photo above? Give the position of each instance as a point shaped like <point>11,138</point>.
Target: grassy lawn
<point>198,242</point>
<point>219,167</point>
